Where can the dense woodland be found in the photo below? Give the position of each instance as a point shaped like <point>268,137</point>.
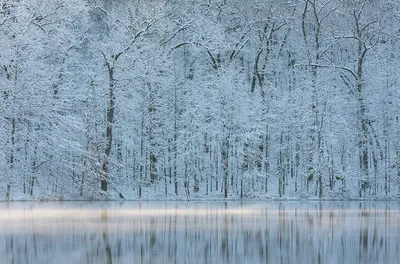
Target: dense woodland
<point>199,99</point>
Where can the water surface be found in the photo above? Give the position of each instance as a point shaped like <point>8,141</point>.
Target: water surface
<point>200,232</point>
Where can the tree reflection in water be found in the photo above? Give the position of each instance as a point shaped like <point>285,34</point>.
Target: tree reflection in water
<point>194,232</point>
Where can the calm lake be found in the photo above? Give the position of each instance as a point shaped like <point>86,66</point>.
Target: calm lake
<point>200,232</point>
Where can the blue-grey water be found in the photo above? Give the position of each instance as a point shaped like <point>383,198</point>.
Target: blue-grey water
<point>200,232</point>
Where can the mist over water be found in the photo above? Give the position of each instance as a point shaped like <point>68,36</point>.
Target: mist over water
<point>200,232</point>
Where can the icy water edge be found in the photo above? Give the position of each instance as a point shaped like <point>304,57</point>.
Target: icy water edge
<point>200,232</point>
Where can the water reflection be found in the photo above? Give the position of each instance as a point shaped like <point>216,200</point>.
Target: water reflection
<point>169,232</point>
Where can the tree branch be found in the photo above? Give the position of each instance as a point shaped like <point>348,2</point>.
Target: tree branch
<point>329,66</point>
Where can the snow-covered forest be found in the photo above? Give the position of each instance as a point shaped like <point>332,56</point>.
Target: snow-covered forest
<point>199,99</point>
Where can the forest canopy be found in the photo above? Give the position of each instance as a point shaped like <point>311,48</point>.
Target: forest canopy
<point>201,99</point>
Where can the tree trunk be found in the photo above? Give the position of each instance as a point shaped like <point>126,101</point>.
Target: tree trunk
<point>363,140</point>
<point>109,130</point>
<point>33,176</point>
<point>8,191</point>
<point>151,112</point>
<point>225,166</point>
